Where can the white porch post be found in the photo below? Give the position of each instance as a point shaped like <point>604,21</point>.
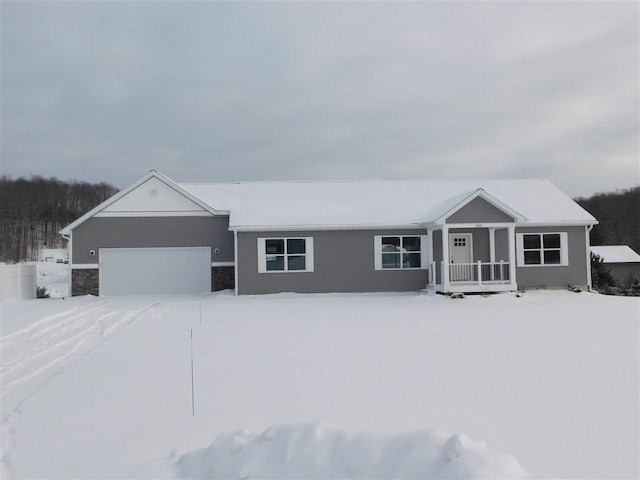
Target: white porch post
<point>492,251</point>
<point>445,258</point>
<point>432,264</point>
<point>512,256</point>
<point>492,245</point>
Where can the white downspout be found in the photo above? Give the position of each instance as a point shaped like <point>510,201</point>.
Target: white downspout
<point>235,260</point>
<point>587,235</point>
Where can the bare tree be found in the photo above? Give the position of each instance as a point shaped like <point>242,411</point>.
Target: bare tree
<point>619,216</point>
<point>34,210</point>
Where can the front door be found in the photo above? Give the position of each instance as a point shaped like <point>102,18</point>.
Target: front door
<point>460,251</point>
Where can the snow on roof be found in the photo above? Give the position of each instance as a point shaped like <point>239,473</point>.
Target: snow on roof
<point>377,203</point>
<point>616,254</point>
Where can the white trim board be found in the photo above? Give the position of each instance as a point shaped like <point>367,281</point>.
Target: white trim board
<point>189,213</point>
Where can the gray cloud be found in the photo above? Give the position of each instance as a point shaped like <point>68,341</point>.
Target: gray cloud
<point>248,91</point>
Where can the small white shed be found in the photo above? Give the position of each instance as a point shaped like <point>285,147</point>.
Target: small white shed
<point>621,260</point>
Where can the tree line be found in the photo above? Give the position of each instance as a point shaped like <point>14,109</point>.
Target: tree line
<point>619,215</point>
<point>33,210</point>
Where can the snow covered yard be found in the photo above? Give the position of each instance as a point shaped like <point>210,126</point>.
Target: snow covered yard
<point>324,385</point>
<point>52,273</point>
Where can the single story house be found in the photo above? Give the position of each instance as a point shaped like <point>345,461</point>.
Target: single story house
<point>159,236</point>
<point>621,261</point>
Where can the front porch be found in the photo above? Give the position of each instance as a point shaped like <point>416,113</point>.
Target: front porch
<point>473,277</point>
<point>472,258</point>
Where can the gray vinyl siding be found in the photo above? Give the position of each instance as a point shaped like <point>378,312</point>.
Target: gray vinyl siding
<point>557,276</point>
<point>502,244</point>
<point>148,232</point>
<point>343,262</point>
<point>479,210</point>
<point>437,245</point>
<point>437,253</point>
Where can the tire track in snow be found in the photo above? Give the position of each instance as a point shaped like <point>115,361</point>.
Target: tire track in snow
<point>32,357</point>
<point>52,321</point>
<point>32,342</point>
<point>45,352</point>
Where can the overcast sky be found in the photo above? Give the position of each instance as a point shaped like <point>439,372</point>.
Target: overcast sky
<point>207,91</point>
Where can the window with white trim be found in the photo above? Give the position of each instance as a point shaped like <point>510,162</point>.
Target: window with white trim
<point>288,254</point>
<point>400,252</point>
<point>542,249</point>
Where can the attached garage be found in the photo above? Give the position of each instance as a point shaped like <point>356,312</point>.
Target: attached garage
<point>144,271</point>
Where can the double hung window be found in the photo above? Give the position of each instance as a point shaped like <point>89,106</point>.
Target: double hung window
<point>399,252</point>
<point>285,254</point>
<point>542,249</point>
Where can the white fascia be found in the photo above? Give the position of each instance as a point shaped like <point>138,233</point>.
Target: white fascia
<point>559,224</point>
<point>153,214</point>
<point>319,228</point>
<point>574,223</point>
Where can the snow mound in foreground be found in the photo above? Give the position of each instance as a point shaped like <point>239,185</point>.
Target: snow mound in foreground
<point>321,451</point>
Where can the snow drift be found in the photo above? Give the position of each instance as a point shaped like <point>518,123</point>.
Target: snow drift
<point>322,451</point>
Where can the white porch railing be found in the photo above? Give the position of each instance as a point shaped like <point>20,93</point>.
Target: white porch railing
<point>479,273</point>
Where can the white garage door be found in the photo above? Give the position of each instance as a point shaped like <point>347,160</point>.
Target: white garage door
<point>141,271</point>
